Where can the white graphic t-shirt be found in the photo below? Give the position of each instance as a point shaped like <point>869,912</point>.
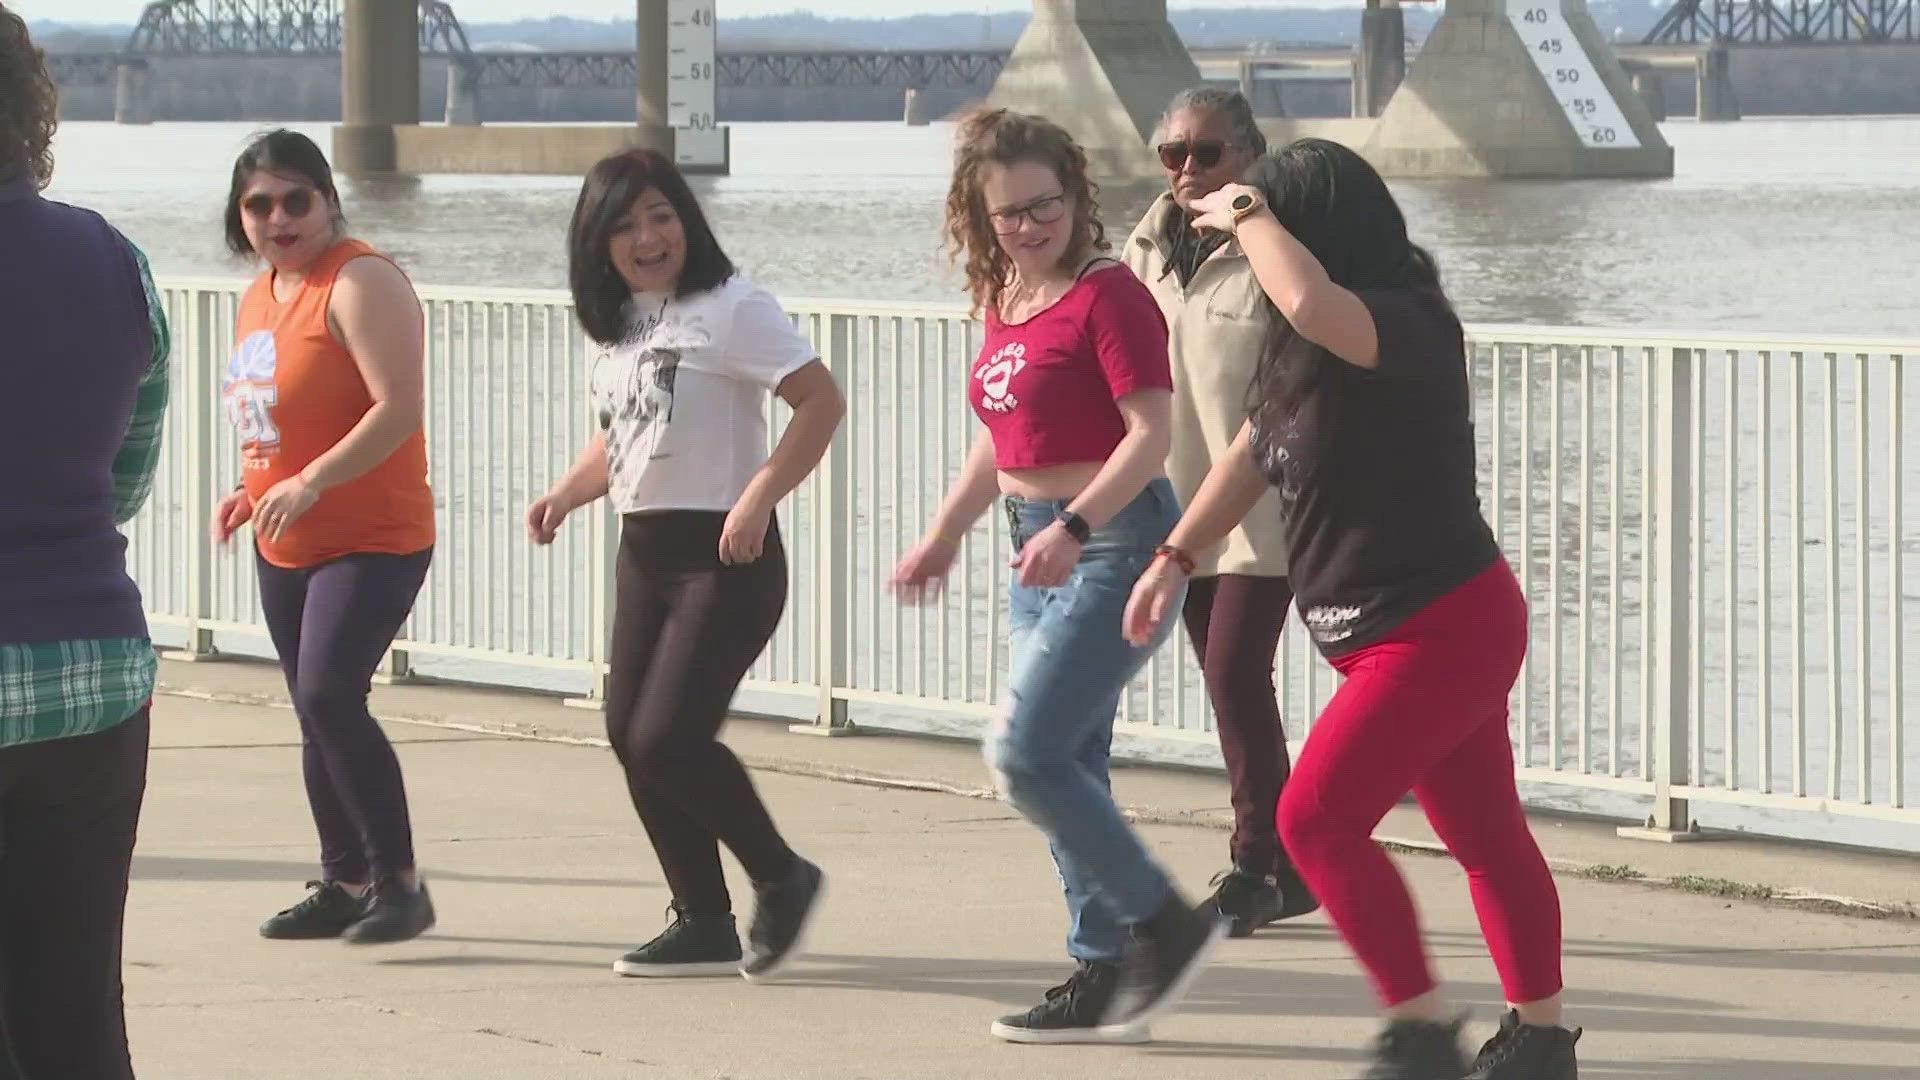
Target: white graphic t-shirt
<point>683,395</point>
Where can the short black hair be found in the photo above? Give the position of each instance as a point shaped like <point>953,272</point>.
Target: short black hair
<point>611,188</point>
<point>279,151</point>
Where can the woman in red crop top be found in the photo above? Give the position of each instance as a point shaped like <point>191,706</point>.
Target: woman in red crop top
<point>1361,418</point>
<point>1074,392</point>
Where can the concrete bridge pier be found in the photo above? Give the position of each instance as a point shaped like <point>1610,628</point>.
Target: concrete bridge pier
<point>1380,57</point>
<point>655,130</point>
<point>463,95</point>
<point>380,84</point>
<point>1715,101</point>
<point>1267,96</point>
<point>916,110</point>
<point>1517,88</point>
<point>1652,88</point>
<point>1104,70</point>
<point>130,102</point>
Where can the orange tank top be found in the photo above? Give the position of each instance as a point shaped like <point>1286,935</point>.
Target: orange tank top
<point>293,391</point>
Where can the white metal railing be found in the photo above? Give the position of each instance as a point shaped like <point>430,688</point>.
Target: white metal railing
<point>1713,532</point>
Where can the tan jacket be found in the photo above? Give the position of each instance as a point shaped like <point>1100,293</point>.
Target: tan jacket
<point>1216,327</point>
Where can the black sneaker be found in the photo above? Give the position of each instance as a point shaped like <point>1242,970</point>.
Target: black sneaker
<point>326,913</point>
<point>1525,1052</point>
<point>691,945</point>
<point>1251,900</point>
<point>780,915</point>
<point>1166,954</point>
<point>1071,1012</point>
<point>395,912</point>
<point>1418,1050</point>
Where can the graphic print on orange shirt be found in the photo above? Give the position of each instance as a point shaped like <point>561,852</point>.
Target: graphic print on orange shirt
<point>250,394</point>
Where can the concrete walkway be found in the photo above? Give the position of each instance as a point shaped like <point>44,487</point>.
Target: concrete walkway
<point>942,913</point>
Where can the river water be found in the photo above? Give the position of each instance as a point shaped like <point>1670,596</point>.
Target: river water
<point>1778,225</point>
<point>1770,227</point>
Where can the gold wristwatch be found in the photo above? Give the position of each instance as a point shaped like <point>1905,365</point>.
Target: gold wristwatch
<point>1243,204</point>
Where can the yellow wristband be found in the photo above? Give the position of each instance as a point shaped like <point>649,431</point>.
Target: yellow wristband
<point>947,540</point>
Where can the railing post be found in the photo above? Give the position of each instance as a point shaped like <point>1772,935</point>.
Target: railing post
<point>396,669</point>
<point>1669,483</point>
<point>832,570</point>
<point>195,380</point>
<point>602,545</point>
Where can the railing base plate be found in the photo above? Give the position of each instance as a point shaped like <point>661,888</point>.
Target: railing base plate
<point>823,730</point>
<point>1663,836</point>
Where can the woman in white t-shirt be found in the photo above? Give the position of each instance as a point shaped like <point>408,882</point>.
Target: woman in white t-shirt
<point>689,352</point>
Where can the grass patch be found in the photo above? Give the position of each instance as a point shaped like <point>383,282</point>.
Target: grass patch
<point>1721,887</point>
<point>1611,872</point>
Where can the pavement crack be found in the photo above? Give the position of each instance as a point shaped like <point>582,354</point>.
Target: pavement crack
<point>529,1040</point>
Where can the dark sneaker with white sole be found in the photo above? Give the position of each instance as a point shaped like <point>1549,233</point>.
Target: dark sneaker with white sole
<point>780,915</point>
<point>1072,1011</point>
<point>1166,954</point>
<point>395,912</point>
<point>1527,1052</point>
<point>1417,1050</point>
<point>1251,900</point>
<point>691,945</point>
<point>327,912</point>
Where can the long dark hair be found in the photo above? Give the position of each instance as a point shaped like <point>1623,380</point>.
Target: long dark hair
<point>1339,208</point>
<point>611,188</point>
<point>288,153</point>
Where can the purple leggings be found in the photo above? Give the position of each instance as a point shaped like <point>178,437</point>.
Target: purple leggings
<point>331,625</point>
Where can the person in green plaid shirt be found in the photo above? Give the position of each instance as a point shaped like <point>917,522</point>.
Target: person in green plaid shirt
<point>83,398</point>
<point>59,689</point>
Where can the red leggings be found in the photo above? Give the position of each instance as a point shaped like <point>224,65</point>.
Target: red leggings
<point>1425,710</point>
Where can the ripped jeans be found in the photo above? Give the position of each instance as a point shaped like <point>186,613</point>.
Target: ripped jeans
<point>1049,748</point>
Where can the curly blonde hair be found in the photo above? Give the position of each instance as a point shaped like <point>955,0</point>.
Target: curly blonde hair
<point>1003,137</point>
<point>29,104</point>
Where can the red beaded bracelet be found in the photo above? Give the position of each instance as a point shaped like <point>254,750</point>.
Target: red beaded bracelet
<point>1177,557</point>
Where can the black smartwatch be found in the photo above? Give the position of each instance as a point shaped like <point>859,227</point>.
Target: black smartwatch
<point>1076,526</point>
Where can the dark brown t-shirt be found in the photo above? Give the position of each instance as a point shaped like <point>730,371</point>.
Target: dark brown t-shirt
<point>1375,470</point>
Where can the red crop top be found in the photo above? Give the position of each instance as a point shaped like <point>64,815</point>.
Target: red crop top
<point>1045,388</point>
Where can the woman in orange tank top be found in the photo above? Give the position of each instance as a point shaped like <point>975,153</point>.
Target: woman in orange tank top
<point>326,390</point>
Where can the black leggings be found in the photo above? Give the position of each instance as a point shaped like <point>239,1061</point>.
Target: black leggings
<point>69,810</point>
<point>331,624</point>
<point>686,628</point>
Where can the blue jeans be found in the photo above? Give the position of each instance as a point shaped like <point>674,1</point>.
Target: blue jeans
<point>1049,748</point>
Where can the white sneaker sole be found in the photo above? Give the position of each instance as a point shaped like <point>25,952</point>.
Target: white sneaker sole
<point>708,968</point>
<point>1178,990</point>
<point>799,940</point>
<point>1119,1034</point>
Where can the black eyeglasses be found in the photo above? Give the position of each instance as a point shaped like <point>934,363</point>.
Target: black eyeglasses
<point>298,203</point>
<point>1205,155</point>
<point>1043,212</point>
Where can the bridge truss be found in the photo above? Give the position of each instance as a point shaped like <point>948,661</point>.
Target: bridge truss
<point>917,68</point>
<point>311,29</point>
<point>201,28</point>
<point>1787,22</point>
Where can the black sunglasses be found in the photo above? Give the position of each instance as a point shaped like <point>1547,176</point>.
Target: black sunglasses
<point>298,202</point>
<point>1205,155</point>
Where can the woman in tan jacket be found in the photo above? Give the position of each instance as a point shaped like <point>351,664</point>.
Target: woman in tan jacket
<point>1237,601</point>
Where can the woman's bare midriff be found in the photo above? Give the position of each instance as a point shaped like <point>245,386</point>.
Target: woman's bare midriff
<point>1063,481</point>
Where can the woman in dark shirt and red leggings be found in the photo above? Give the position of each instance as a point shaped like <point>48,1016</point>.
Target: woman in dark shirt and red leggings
<point>1074,391</point>
<point>1360,415</point>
